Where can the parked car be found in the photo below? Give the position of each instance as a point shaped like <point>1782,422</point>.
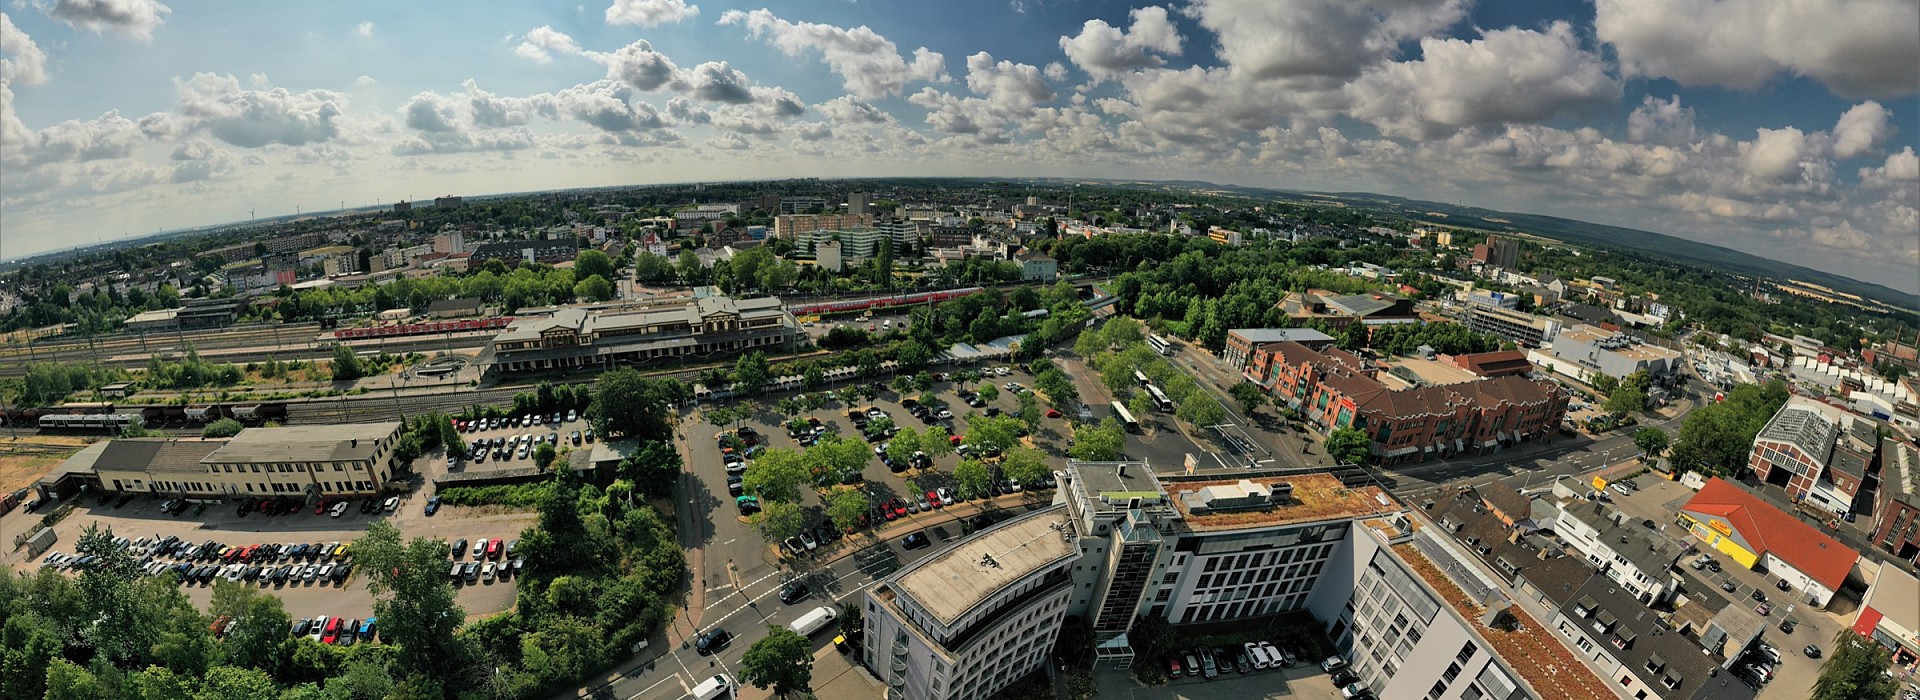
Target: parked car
<point>1812,651</point>
<point>433,505</point>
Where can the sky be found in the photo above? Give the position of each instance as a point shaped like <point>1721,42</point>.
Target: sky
<point>1783,128</point>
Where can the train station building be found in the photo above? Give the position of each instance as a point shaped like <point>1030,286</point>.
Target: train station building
<point>708,326</point>
<point>307,462</point>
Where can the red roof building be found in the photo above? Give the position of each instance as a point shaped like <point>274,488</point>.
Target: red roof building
<point>1753,531</point>
<point>1502,363</point>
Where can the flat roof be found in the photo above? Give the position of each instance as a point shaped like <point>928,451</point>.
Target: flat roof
<point>1896,596</point>
<point>955,580</point>
<point>1315,497</point>
<point>1434,372</point>
<point>1276,335</point>
<point>304,443</point>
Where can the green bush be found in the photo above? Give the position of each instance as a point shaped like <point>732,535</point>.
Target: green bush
<point>511,495</point>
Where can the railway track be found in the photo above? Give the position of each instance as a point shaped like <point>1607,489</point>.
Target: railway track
<point>36,448</point>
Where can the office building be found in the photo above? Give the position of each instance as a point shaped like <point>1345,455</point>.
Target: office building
<point>1242,342</point>
<point>1224,236</point>
<point>1493,299</point>
<point>447,202</point>
<point>855,243</point>
<point>951,236</point>
<point>314,461</point>
<point>451,243</point>
<point>1897,517</point>
<point>826,254</point>
<point>904,233</point>
<point>1519,327</point>
<point>1498,252</point>
<point>1583,351</point>
<point>976,615</point>
<point>542,251</point>
<point>692,218</point>
<point>606,337</point>
<point>1337,389</point>
<point>790,226</point>
<point>801,205</point>
<point>1817,452</point>
<point>859,203</point>
<point>1751,532</point>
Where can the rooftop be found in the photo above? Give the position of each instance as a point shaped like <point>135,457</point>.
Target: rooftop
<point>1434,372</point>
<point>956,579</point>
<point>1276,335</point>
<point>1631,350</point>
<point>1894,596</point>
<point>1803,426</point>
<point>1529,649</point>
<point>1315,497</point>
<point>1772,531</point>
<point>1639,638</point>
<point>304,443</point>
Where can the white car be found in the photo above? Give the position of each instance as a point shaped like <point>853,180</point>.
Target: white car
<point>480,548</point>
<point>339,509</point>
<point>392,503</point>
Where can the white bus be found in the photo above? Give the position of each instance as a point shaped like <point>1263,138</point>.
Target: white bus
<point>1160,400</point>
<point>1125,418</point>
<point>1141,378</point>
<point>1159,344</point>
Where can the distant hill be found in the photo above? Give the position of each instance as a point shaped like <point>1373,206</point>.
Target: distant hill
<point>1586,234</point>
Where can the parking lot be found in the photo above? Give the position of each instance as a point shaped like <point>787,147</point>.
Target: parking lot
<point>510,442</point>
<point>767,429</point>
<point>143,517</point>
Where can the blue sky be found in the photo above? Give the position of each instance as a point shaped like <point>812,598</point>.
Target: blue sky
<point>1786,128</point>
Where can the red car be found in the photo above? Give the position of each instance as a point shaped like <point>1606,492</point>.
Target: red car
<point>1053,413</point>
<point>324,505</point>
<point>899,508</point>
<point>333,631</point>
<point>933,499</point>
<point>956,439</point>
<point>886,509</point>
<point>493,549</point>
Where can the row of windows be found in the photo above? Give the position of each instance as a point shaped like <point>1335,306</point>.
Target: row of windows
<point>263,488</point>
<point>1244,608</point>
<point>285,468</point>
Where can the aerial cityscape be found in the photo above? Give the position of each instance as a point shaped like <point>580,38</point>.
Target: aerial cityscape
<point>1330,349</point>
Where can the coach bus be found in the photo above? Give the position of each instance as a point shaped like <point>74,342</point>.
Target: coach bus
<point>1160,400</point>
<point>1120,412</point>
<point>1159,344</point>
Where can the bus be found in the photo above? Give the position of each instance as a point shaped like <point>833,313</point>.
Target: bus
<point>1141,378</point>
<point>1160,400</point>
<point>1159,344</point>
<point>1125,418</point>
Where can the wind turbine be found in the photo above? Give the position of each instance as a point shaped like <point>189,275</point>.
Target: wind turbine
<point>249,214</point>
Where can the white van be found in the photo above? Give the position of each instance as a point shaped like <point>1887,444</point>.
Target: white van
<point>813,621</point>
<point>719,686</point>
<point>1256,655</point>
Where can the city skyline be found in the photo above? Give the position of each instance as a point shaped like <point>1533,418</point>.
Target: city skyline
<point>1718,122</point>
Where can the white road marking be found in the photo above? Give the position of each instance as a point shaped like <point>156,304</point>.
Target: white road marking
<point>673,677</point>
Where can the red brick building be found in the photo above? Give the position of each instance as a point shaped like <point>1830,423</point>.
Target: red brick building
<point>1897,514</point>
<point>1336,389</point>
<point>1817,452</point>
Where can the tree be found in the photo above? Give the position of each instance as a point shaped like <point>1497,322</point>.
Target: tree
<point>1349,446</point>
<point>1249,395</point>
<point>777,475</point>
<point>651,268</point>
<point>1059,388</point>
<point>989,392</point>
<point>751,373</point>
<point>1626,399</point>
<point>814,379</point>
<point>1201,409</point>
<point>653,469</point>
<point>626,403</point>
<point>903,444</point>
<point>783,660</point>
<point>1854,670</point>
<point>544,455</point>
<point>594,288</point>
<point>840,457</point>
<point>1099,443</point>
<point>992,432</point>
<point>257,641</point>
<point>590,263</point>
<point>1029,411</point>
<point>346,364</point>
<point>778,520</point>
<point>414,600</point>
<point>973,478</point>
<point>1024,464</point>
<point>1651,441</point>
<point>845,508</point>
<point>1603,383</point>
<point>223,428</point>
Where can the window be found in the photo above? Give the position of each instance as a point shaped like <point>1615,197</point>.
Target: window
<point>1453,671</point>
<point>1466,653</point>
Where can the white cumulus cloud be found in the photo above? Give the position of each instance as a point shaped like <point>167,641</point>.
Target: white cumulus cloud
<point>869,63</point>
<point>20,59</point>
<point>650,13</point>
<point>1854,47</point>
<point>133,18</point>
<point>1103,50</point>
<point>1508,75</point>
